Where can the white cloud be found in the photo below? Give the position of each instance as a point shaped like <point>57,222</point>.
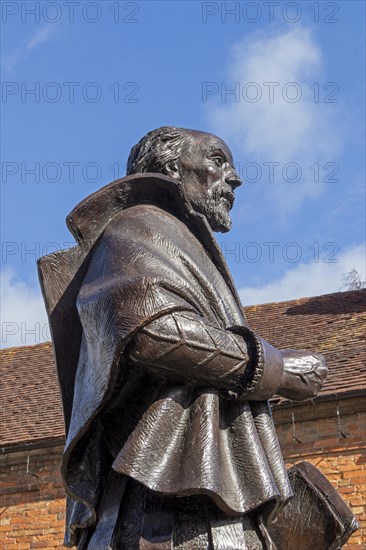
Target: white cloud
<point>311,279</point>
<point>40,36</point>
<point>43,34</point>
<point>280,131</point>
<point>23,315</point>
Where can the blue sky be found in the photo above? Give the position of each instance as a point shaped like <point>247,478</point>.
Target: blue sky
<point>283,83</point>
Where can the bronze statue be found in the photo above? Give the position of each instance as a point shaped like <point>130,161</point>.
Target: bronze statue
<point>170,439</point>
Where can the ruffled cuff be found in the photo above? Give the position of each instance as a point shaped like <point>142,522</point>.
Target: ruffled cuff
<point>264,372</point>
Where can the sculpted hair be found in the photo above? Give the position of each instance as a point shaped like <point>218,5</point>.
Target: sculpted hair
<point>156,149</point>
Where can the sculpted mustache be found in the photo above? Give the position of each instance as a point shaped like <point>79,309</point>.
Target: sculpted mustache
<point>216,198</point>
<point>230,197</point>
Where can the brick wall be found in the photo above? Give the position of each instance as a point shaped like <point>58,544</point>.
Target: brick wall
<point>32,508</point>
<point>313,433</point>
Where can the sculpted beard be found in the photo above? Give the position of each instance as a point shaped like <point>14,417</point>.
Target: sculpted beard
<point>216,210</point>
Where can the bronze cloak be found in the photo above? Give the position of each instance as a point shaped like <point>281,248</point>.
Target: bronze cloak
<point>143,252</point>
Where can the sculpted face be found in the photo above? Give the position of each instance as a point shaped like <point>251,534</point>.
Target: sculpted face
<point>209,179</point>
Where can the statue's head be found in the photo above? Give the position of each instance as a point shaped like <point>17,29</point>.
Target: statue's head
<point>201,161</point>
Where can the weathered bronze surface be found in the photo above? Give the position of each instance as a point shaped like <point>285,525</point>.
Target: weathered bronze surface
<point>170,439</point>
<point>316,516</point>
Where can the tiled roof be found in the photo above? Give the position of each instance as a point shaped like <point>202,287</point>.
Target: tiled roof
<point>333,324</point>
<point>31,407</point>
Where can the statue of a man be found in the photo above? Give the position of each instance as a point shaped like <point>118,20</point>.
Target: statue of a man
<point>170,439</point>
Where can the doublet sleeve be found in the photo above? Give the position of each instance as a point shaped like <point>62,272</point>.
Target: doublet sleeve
<point>187,348</point>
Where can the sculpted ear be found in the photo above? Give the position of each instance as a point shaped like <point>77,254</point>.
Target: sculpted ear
<point>172,169</point>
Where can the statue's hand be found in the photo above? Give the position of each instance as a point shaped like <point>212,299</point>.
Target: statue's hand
<point>304,374</point>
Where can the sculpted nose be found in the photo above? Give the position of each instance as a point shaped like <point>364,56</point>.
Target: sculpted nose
<point>233,179</point>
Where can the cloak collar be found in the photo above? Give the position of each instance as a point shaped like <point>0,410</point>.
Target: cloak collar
<point>61,273</point>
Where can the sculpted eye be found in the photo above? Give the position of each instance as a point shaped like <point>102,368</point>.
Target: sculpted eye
<point>218,160</point>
